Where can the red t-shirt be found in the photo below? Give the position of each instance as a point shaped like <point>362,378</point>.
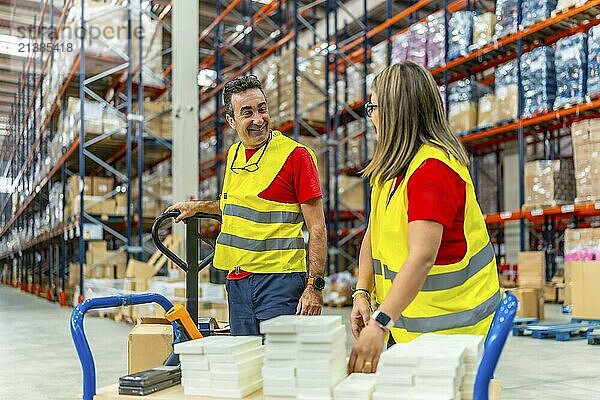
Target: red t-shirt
<point>296,182</point>
<point>437,193</point>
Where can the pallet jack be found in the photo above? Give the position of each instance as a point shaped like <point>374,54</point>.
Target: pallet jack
<point>183,320</point>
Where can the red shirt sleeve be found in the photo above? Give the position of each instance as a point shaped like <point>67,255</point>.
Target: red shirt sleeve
<point>436,193</point>
<point>297,181</point>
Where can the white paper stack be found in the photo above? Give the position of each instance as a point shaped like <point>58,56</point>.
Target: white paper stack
<point>221,366</point>
<point>355,387</point>
<point>420,371</point>
<point>473,352</point>
<point>321,356</point>
<point>305,357</point>
<point>279,368</point>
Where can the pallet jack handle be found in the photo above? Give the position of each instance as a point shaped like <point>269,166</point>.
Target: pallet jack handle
<point>191,266</point>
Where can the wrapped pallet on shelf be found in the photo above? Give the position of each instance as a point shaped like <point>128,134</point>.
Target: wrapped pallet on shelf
<point>435,39</point>
<point>460,29</point>
<point>539,80</point>
<point>400,47</point>
<point>506,18</point>
<point>570,60</point>
<point>417,50</point>
<point>585,136</point>
<point>549,183</point>
<point>483,29</point>
<point>462,100</point>
<point>535,11</point>
<point>379,57</point>
<point>311,84</point>
<point>506,91</point>
<point>593,71</point>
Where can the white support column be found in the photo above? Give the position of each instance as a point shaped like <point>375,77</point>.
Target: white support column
<point>185,102</point>
<point>511,201</point>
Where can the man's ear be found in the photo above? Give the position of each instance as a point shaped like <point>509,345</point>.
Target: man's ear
<point>230,121</point>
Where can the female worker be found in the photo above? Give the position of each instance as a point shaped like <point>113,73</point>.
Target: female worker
<point>426,251</point>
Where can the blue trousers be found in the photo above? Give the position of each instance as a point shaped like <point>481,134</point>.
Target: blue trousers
<point>260,297</point>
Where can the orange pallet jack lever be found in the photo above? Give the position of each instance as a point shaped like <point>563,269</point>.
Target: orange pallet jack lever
<point>181,316</point>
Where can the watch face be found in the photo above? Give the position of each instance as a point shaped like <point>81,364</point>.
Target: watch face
<point>319,283</point>
<point>383,319</point>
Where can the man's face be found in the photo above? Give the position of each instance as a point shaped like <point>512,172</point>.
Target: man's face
<point>251,119</point>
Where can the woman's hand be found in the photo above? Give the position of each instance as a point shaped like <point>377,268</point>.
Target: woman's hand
<point>361,313</point>
<point>367,349</point>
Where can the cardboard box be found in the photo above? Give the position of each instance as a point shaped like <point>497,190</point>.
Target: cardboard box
<point>487,112</point>
<point>568,282</point>
<point>532,267</point>
<point>96,252</point>
<point>507,98</point>
<point>531,303</point>
<point>351,192</point>
<point>102,185</point>
<point>74,188</point>
<point>219,311</point>
<point>585,289</point>
<point>149,344</point>
<point>462,116</point>
<point>550,293</point>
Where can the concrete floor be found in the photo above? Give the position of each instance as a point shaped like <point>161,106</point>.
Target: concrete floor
<point>38,359</point>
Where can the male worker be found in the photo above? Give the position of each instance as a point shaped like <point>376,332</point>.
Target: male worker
<point>271,188</point>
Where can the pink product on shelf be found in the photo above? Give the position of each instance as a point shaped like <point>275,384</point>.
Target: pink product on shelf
<point>417,50</point>
<point>435,40</point>
<point>583,255</point>
<point>400,46</point>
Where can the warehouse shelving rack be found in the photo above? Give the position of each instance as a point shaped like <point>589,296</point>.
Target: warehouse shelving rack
<point>56,246</point>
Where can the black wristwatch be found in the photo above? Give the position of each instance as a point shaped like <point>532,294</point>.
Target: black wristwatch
<point>317,282</point>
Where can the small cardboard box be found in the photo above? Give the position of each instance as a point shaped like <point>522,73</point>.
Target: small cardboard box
<point>531,303</point>
<point>73,185</point>
<point>102,185</point>
<point>149,344</point>
<point>585,289</point>
<point>550,294</point>
<point>532,267</point>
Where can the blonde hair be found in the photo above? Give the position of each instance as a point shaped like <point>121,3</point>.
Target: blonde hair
<point>410,115</point>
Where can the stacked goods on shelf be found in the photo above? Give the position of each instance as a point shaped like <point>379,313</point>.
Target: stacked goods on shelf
<point>570,58</point>
<point>530,291</point>
<point>435,40</point>
<point>311,86</point>
<point>417,50</point>
<point>158,189</point>
<point>585,136</point>
<point>379,58</point>
<point>487,113</point>
<point>506,18</point>
<point>483,29</point>
<point>460,28</point>
<point>97,192</point>
<point>593,72</point>
<point>549,183</point>
<point>564,4</point>
<point>462,110</point>
<point>434,367</point>
<point>535,11</point>
<point>539,80</point>
<point>55,209</point>
<point>271,88</point>
<point>157,118</point>
<point>355,387</point>
<point>400,47</point>
<point>303,356</point>
<point>221,366</point>
<point>473,345</point>
<point>506,91</point>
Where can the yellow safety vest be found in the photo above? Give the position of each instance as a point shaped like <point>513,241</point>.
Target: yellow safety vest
<point>456,298</point>
<point>258,235</point>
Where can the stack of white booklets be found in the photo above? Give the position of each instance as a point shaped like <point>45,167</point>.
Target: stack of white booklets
<point>221,366</point>
<point>473,345</point>
<point>355,387</point>
<point>305,357</point>
<point>420,371</point>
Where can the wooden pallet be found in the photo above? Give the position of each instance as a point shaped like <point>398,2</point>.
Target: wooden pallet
<point>574,4</point>
<point>593,337</point>
<point>592,200</point>
<point>554,203</point>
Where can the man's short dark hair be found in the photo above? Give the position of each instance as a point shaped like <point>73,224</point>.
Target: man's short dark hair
<point>239,85</point>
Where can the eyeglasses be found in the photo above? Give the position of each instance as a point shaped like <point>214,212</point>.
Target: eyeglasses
<point>369,108</point>
<point>252,167</point>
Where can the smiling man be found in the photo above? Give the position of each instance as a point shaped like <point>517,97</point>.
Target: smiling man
<point>271,189</point>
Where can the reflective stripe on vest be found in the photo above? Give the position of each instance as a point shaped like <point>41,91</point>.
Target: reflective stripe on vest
<point>450,321</point>
<point>446,280</point>
<point>263,217</point>
<point>260,245</point>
